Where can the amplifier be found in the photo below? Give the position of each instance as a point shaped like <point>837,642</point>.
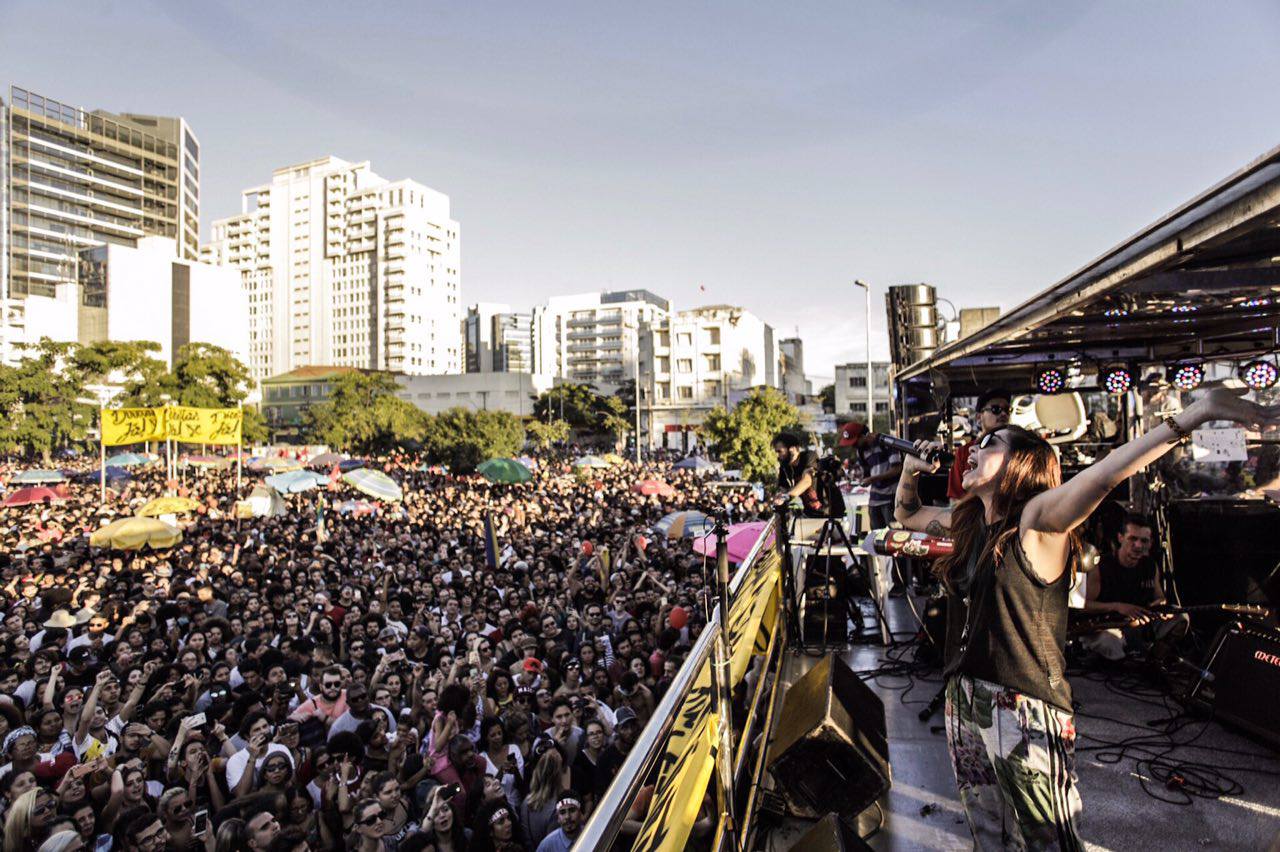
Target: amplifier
<point>1244,691</point>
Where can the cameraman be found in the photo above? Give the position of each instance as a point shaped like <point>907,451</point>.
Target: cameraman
<point>798,475</point>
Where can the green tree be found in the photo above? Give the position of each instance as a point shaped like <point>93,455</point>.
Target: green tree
<point>573,403</point>
<point>462,438</point>
<point>613,418</point>
<point>208,376</point>
<point>543,435</point>
<point>364,415</point>
<point>828,395</point>
<point>743,437</point>
<point>44,401</point>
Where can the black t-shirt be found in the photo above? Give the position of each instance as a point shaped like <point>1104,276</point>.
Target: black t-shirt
<point>1138,585</point>
<point>789,473</point>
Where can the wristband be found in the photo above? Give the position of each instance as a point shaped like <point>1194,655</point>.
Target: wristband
<point>1181,436</point>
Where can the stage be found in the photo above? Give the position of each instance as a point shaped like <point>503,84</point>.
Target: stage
<point>922,810</point>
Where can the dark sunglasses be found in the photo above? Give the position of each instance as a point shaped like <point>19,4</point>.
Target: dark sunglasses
<point>986,440</point>
<point>372,819</point>
<point>997,410</point>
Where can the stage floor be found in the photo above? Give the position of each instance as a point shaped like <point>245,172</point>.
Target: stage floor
<point>922,810</point>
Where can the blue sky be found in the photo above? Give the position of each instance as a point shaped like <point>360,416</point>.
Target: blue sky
<point>770,153</point>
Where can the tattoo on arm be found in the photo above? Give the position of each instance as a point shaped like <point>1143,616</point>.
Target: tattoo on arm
<point>909,503</point>
<point>936,528</point>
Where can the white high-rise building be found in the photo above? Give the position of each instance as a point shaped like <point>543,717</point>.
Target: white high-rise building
<point>345,268</point>
<point>695,360</point>
<point>851,389</point>
<point>593,338</point>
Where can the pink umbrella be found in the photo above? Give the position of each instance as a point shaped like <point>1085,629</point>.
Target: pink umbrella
<point>649,487</point>
<point>742,537</point>
<point>28,496</point>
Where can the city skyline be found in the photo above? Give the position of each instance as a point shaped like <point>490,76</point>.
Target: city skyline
<point>988,151</point>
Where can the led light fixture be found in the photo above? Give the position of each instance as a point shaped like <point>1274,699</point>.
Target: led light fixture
<point>1116,379</point>
<point>1259,374</point>
<point>1186,375</point>
<point>1051,380</point>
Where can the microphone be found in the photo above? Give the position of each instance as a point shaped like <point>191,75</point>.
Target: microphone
<point>909,447</point>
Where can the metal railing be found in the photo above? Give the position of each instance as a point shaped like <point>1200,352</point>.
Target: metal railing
<point>606,820</point>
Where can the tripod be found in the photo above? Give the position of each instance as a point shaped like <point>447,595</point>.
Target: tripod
<point>834,583</point>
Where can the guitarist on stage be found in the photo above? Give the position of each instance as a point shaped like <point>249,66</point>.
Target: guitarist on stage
<point>1126,582</point>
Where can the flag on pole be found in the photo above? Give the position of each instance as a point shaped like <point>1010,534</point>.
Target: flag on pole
<point>490,541</point>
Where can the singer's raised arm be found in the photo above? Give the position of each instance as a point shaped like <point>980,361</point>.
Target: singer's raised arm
<point>907,508</point>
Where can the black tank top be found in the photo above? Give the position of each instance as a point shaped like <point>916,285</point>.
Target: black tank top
<point>1007,626</point>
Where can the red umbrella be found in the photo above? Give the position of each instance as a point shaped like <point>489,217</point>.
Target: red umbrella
<point>649,487</point>
<point>28,496</point>
<point>741,538</point>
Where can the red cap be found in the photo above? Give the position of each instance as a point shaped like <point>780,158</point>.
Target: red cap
<point>850,433</point>
<point>533,665</point>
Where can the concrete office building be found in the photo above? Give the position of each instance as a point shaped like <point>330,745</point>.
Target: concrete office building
<point>851,389</point>
<point>695,360</point>
<point>345,268</point>
<point>71,179</point>
<point>592,338</point>
<point>497,340</point>
<point>791,371</point>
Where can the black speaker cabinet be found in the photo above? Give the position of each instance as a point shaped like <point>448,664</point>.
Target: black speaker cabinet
<point>1224,551</point>
<point>1245,690</point>
<point>830,751</point>
<point>830,834</point>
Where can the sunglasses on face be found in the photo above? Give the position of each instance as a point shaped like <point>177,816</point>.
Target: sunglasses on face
<point>372,819</point>
<point>997,410</point>
<point>986,440</point>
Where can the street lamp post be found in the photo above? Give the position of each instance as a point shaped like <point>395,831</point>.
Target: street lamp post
<point>871,411</point>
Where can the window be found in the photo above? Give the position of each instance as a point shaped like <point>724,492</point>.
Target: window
<point>857,381</point>
<point>858,407</point>
<point>664,364</point>
<point>713,336</point>
<point>686,392</point>
<point>684,365</point>
<point>684,338</point>
<point>882,407</point>
<point>663,390</point>
<point>711,389</point>
<point>712,362</point>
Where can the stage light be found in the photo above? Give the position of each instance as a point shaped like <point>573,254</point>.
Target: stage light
<point>1259,374</point>
<point>1051,380</point>
<point>1116,379</point>
<point>1187,375</point>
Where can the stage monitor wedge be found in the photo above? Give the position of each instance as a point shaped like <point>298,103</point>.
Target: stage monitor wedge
<point>830,751</point>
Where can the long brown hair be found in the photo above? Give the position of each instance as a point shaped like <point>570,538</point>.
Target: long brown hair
<point>1031,467</point>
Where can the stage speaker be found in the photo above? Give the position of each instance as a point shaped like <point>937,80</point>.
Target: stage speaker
<point>830,751</point>
<point>1244,691</point>
<point>825,615</point>
<point>1224,551</point>
<point>830,834</point>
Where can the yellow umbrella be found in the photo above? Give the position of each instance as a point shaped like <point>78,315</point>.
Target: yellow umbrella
<point>613,458</point>
<point>135,533</point>
<point>168,506</point>
<point>282,465</point>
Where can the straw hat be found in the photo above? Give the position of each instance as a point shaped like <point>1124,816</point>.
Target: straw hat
<point>61,618</point>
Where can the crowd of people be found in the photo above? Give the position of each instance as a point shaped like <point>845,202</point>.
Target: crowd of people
<point>319,680</point>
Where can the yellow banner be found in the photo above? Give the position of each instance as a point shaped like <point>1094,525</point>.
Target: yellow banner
<point>132,425</point>
<point>691,749</point>
<point>205,425</point>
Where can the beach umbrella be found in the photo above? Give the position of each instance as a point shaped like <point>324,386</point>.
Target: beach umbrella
<point>266,502</point>
<point>375,483</point>
<point>350,464</point>
<point>31,495</point>
<point>168,506</point>
<point>614,458</point>
<point>127,460</point>
<point>326,460</point>
<point>296,481</point>
<point>203,461</point>
<point>136,533</point>
<point>684,525</point>
<point>696,463</point>
<point>592,462</point>
<point>504,470</point>
<point>279,465</point>
<point>37,477</point>
<point>649,487</point>
<point>357,507</point>
<point>113,473</point>
<point>740,540</point>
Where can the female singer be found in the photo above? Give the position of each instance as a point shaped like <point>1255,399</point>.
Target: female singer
<point>1009,726</point>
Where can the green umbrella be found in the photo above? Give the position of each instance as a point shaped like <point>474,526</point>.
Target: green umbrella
<point>504,470</point>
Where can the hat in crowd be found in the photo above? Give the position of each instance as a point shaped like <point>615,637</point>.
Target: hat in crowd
<point>85,615</point>
<point>79,654</point>
<point>388,633</point>
<point>990,394</point>
<point>525,690</point>
<point>851,432</point>
<point>623,716</point>
<point>533,665</point>
<point>61,618</point>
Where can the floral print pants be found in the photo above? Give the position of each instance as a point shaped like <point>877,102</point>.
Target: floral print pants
<point>1014,760</point>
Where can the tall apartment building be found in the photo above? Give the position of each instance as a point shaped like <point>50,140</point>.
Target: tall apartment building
<point>695,360</point>
<point>593,338</point>
<point>74,179</point>
<point>344,268</point>
<point>497,340</point>
<point>851,389</point>
<point>791,376</point>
